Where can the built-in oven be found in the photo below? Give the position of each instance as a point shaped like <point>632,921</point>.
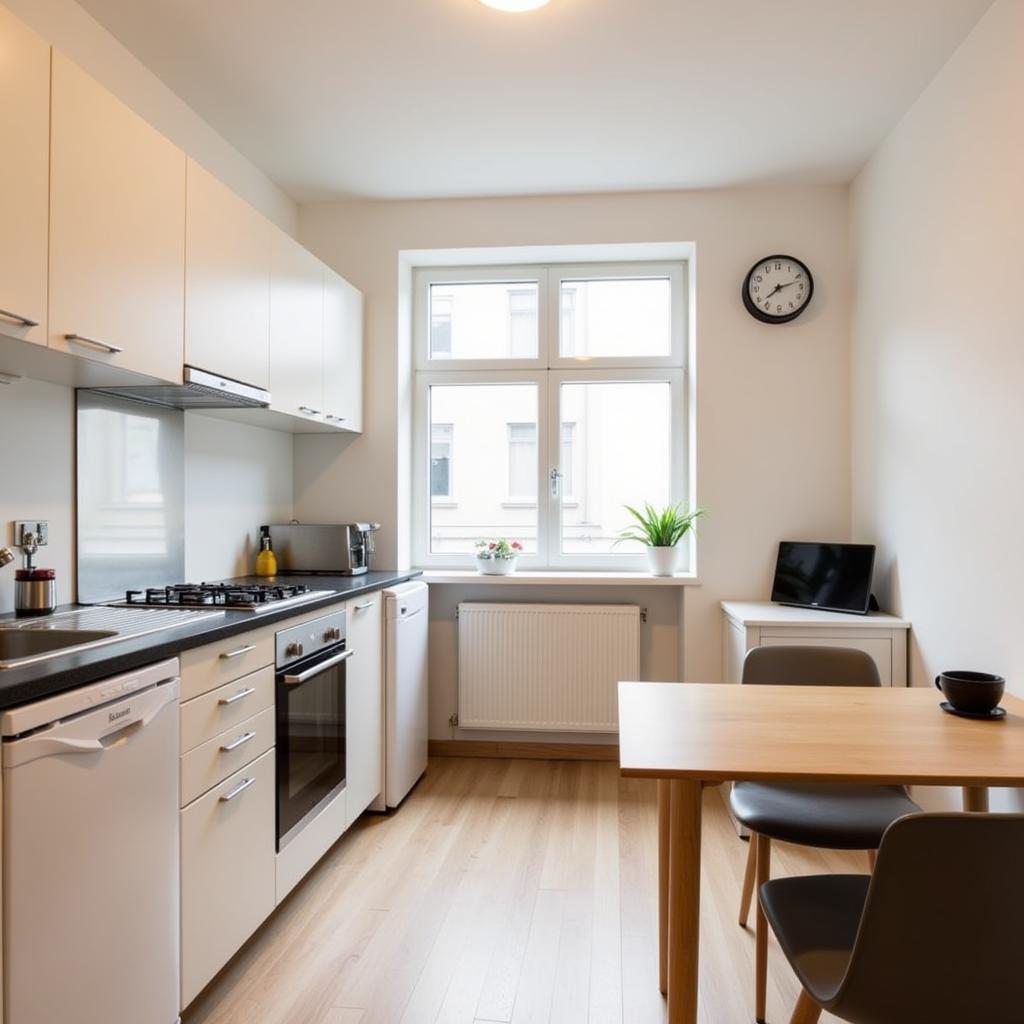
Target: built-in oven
<point>310,662</point>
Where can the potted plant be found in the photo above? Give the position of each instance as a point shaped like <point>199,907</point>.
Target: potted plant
<point>660,532</point>
<point>497,557</point>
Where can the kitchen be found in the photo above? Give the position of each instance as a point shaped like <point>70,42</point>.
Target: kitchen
<point>203,348</point>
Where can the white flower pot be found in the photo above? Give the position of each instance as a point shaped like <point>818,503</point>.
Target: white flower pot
<point>496,566</point>
<point>663,561</point>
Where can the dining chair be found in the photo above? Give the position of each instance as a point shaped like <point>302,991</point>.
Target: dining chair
<point>932,937</point>
<point>826,816</point>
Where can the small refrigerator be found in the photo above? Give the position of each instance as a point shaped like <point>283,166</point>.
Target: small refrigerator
<point>405,671</point>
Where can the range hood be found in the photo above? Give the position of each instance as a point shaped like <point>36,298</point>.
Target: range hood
<point>200,390</point>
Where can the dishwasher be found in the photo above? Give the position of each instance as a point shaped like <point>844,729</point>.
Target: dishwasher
<point>90,853</point>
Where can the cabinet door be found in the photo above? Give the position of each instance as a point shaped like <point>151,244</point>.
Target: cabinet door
<point>227,282</point>
<point>343,353</point>
<point>117,231</point>
<point>296,330</point>
<point>364,745</point>
<point>24,179</point>
<point>227,871</point>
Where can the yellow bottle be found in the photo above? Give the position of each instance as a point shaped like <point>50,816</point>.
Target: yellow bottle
<point>266,560</point>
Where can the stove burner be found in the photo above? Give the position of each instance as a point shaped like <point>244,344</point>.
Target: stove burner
<point>217,595</point>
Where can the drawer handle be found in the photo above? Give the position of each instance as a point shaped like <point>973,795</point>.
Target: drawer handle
<point>23,321</point>
<point>239,652</point>
<point>237,791</point>
<point>362,607</point>
<point>103,346</point>
<point>236,696</point>
<point>235,744</point>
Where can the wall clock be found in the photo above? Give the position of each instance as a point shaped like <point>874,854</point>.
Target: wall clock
<point>777,289</point>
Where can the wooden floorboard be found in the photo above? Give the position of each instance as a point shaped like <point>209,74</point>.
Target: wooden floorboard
<point>504,891</point>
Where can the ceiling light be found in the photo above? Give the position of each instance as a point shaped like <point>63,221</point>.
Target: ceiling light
<point>515,5</point>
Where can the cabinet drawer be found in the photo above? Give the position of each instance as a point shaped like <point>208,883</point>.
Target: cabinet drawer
<point>205,668</point>
<point>207,716</point>
<point>227,871</point>
<point>214,760</point>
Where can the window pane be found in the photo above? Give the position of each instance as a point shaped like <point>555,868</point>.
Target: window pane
<point>441,460</point>
<point>491,422</point>
<point>621,443</point>
<point>616,318</point>
<point>484,320</point>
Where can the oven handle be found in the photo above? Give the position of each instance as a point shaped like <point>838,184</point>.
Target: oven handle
<point>315,670</point>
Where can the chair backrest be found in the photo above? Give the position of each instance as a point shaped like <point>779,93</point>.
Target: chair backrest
<point>810,666</point>
<point>939,940</point>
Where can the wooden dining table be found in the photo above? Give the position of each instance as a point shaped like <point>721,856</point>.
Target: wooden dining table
<point>692,735</point>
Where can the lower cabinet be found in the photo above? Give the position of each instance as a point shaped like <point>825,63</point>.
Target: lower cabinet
<point>228,871</point>
<point>364,747</point>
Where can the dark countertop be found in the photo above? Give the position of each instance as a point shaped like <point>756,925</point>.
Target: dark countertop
<point>67,671</point>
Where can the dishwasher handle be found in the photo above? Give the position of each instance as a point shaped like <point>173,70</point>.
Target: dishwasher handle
<point>93,732</point>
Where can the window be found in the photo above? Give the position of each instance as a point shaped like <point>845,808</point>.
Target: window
<point>441,460</point>
<point>565,385</point>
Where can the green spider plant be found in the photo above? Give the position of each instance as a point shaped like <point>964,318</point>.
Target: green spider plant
<point>660,529</point>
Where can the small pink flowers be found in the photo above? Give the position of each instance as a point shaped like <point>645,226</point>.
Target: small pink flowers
<point>499,547</point>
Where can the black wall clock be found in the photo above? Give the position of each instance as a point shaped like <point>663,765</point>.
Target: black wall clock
<point>777,289</point>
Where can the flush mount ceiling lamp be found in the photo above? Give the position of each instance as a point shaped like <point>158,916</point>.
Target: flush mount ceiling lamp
<point>515,6</point>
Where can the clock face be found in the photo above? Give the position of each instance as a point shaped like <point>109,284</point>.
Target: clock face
<point>777,289</point>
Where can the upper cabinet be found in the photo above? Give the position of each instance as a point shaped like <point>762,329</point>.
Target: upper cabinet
<point>343,353</point>
<point>227,282</point>
<point>24,179</point>
<point>296,330</point>
<point>117,231</point>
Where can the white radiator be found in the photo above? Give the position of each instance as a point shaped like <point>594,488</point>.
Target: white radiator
<point>545,667</point>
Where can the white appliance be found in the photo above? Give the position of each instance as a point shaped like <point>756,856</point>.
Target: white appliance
<point>405,661</point>
<point>90,853</point>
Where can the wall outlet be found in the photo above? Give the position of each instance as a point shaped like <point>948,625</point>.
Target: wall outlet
<point>40,527</point>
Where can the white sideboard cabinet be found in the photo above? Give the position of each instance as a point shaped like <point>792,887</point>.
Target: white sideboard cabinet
<point>750,624</point>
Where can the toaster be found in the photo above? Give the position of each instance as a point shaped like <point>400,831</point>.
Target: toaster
<point>338,550</point>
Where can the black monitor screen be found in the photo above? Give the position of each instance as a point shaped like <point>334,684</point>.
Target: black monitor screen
<point>834,577</point>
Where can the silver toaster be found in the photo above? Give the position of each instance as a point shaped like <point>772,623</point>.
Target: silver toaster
<point>345,549</point>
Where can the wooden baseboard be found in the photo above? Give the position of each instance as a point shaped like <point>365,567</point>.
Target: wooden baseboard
<point>530,751</point>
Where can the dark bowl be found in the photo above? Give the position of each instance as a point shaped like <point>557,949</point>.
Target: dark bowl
<point>977,692</point>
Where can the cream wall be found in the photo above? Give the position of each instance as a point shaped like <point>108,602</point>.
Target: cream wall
<point>937,226</point>
<point>773,410</point>
<point>75,32</point>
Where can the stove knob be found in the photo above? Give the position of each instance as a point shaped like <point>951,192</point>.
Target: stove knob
<point>294,650</point>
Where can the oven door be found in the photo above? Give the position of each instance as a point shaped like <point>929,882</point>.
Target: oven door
<point>310,738</point>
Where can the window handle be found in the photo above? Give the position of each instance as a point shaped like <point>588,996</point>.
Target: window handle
<point>556,482</point>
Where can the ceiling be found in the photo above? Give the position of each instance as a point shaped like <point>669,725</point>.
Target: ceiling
<point>431,98</point>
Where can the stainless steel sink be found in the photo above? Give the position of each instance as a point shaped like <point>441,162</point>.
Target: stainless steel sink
<point>25,642</point>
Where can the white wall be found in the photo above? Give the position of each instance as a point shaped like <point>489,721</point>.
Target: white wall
<point>937,226</point>
<point>773,410</point>
<point>236,477</point>
<point>75,32</point>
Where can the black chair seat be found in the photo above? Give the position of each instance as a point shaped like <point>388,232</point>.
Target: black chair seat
<point>816,920</point>
<point>837,817</point>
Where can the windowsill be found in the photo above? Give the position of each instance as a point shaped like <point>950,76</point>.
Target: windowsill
<point>443,503</point>
<point>540,577</point>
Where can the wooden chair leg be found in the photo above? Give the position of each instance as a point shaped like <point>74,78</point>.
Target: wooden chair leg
<point>872,860</point>
<point>764,863</point>
<point>806,1011</point>
<point>748,881</point>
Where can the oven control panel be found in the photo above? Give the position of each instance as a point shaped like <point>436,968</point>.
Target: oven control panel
<point>310,638</point>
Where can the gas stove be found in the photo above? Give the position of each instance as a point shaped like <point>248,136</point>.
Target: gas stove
<point>247,597</point>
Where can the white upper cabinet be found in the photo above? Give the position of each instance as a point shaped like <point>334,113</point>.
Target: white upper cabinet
<point>117,231</point>
<point>296,330</point>
<point>24,179</point>
<point>343,353</point>
<point>227,282</point>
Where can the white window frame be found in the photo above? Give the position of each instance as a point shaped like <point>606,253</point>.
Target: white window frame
<point>443,500</point>
<point>547,372</point>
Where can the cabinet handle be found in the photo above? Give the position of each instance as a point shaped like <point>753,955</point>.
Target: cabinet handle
<point>331,418</point>
<point>362,607</point>
<point>235,744</point>
<point>23,321</point>
<point>237,696</point>
<point>309,410</point>
<point>80,339</point>
<point>240,788</point>
<point>241,650</point>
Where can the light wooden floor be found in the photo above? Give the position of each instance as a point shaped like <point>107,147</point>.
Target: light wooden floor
<point>516,891</point>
